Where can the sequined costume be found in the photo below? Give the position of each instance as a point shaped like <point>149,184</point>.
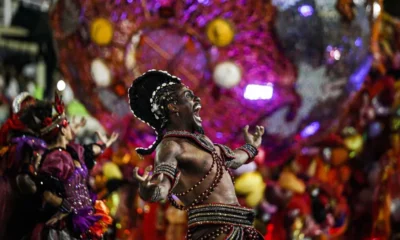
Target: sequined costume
<point>88,218</point>
<point>207,220</point>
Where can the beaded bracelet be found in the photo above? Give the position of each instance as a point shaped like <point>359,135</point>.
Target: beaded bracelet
<point>65,206</point>
<point>250,150</point>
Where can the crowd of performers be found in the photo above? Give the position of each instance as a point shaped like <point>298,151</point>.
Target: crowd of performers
<point>44,175</point>
<point>344,186</point>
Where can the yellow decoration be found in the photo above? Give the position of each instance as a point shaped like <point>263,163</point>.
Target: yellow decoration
<point>122,157</point>
<point>254,198</point>
<point>354,143</point>
<point>101,31</point>
<point>289,181</point>
<point>113,202</point>
<point>312,169</point>
<point>251,185</point>
<point>112,171</point>
<point>220,32</point>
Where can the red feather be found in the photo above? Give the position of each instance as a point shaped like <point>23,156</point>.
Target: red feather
<point>59,105</point>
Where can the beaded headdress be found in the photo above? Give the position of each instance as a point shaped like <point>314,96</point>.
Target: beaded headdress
<point>52,123</point>
<point>144,96</point>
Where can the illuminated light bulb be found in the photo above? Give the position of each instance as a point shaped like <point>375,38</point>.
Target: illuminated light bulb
<point>61,85</point>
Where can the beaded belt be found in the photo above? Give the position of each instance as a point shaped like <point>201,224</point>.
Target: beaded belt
<point>220,214</point>
<point>234,221</point>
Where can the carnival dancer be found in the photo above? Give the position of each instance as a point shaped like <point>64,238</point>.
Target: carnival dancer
<point>72,213</point>
<point>197,171</point>
<point>20,149</point>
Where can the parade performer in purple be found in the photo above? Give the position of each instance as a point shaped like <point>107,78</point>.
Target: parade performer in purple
<point>71,211</point>
<point>20,151</point>
<point>190,170</point>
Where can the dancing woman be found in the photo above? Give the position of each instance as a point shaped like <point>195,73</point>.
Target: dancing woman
<point>20,149</point>
<point>71,212</point>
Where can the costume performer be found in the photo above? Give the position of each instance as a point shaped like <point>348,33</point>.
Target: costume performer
<point>197,172</point>
<point>72,213</point>
<point>19,151</point>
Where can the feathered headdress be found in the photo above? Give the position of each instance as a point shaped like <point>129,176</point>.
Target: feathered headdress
<point>52,123</point>
<point>20,103</point>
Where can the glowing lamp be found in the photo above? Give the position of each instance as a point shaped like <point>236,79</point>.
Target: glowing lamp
<point>227,74</point>
<point>259,92</point>
<point>306,10</point>
<point>310,129</point>
<point>100,73</point>
<point>61,85</point>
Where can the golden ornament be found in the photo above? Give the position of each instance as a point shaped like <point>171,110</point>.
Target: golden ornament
<point>220,32</point>
<point>101,31</point>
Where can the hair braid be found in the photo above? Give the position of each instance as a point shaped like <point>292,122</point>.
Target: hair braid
<point>164,97</point>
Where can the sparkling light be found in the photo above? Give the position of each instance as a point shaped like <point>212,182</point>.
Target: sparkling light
<point>336,54</point>
<point>61,85</point>
<point>376,9</point>
<point>358,42</point>
<point>358,77</point>
<point>205,2</point>
<point>306,10</point>
<point>100,73</point>
<point>257,92</point>
<point>315,192</point>
<point>310,129</point>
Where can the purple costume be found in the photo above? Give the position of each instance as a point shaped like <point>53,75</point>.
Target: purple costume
<point>67,166</point>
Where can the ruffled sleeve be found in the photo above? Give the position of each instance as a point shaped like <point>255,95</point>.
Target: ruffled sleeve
<point>84,154</point>
<point>59,164</point>
<point>79,150</point>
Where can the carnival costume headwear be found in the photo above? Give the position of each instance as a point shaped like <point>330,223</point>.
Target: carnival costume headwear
<point>46,118</point>
<point>58,118</point>
<point>21,102</point>
<point>145,95</point>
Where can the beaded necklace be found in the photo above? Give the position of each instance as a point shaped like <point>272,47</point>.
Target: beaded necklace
<point>217,161</point>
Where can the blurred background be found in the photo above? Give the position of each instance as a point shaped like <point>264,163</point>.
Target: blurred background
<point>322,76</point>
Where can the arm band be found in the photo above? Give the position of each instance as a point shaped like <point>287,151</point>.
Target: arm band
<point>250,150</point>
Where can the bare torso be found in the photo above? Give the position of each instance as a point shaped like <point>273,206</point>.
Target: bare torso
<point>194,163</point>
